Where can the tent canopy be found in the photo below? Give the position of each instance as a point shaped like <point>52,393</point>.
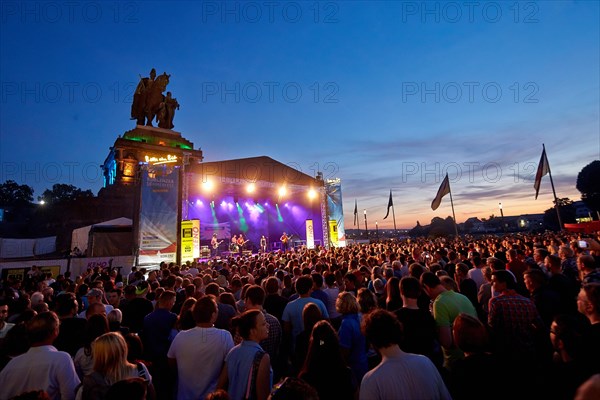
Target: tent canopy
<point>80,236</point>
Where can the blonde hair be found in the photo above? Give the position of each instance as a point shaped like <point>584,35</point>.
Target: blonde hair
<point>110,357</point>
<point>346,303</point>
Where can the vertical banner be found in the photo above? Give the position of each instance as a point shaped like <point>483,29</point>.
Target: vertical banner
<point>333,232</point>
<point>187,241</point>
<point>196,238</point>
<point>335,209</point>
<point>158,216</point>
<point>310,234</point>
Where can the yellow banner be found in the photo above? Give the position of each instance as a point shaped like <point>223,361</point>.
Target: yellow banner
<point>196,237</point>
<point>187,241</point>
<point>333,232</point>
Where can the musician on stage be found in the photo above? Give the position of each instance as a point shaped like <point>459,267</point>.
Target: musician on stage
<point>234,244</point>
<point>241,242</point>
<point>284,241</point>
<point>263,243</point>
<point>214,245</point>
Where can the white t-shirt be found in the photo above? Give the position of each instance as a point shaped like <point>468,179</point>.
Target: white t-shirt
<point>7,327</point>
<point>200,353</point>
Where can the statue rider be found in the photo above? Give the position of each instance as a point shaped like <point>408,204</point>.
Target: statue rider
<point>138,107</point>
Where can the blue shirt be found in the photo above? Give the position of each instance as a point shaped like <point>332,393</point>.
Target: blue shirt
<point>351,338</point>
<point>293,313</point>
<point>239,362</point>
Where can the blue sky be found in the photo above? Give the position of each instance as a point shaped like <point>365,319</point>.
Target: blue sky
<point>384,95</point>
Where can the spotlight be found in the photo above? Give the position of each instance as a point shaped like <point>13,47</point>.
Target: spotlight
<point>207,186</point>
<point>312,193</point>
<point>282,191</point>
<point>251,188</point>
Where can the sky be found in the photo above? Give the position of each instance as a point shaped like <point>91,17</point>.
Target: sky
<point>383,95</point>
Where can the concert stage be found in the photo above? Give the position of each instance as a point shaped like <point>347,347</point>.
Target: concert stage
<point>254,197</point>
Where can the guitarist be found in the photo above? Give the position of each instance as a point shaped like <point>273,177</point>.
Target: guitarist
<point>284,241</point>
<point>241,243</point>
<point>214,244</point>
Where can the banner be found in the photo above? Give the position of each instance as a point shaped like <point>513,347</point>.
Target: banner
<point>442,191</point>
<point>335,209</point>
<point>310,234</point>
<point>158,216</point>
<point>223,231</point>
<point>196,238</point>
<point>333,233</point>
<point>187,241</point>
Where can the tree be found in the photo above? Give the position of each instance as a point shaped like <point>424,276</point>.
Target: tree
<point>63,193</point>
<point>588,183</point>
<point>13,194</point>
<point>567,213</point>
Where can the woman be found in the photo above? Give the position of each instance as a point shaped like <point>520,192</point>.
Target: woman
<point>111,366</point>
<point>84,362</point>
<point>311,314</point>
<point>352,342</point>
<point>247,371</point>
<point>324,367</point>
<point>185,320</point>
<point>393,300</point>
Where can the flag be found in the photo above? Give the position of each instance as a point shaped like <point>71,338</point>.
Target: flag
<point>390,204</point>
<point>355,212</point>
<point>543,169</point>
<point>442,191</point>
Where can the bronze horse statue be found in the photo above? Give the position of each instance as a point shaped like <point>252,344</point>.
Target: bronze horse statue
<point>148,97</point>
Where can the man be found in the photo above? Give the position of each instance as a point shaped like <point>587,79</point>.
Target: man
<point>284,241</point>
<point>568,263</point>
<point>255,298</point>
<point>135,307</point>
<point>447,304</point>
<point>226,312</point>
<point>114,298</point>
<point>233,247</point>
<point>42,367</point>
<point>214,245</point>
<point>514,321</point>
<point>588,304</point>
<point>399,375</point>
<point>292,314</point>
<point>198,354</point>
<point>95,296</point>
<point>317,289</point>
<point>4,326</point>
<point>274,302</point>
<point>588,271</point>
<point>241,242</point>
<point>71,335</point>
<point>156,335</point>
<point>546,300</point>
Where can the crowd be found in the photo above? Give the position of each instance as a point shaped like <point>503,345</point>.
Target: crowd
<point>491,317</point>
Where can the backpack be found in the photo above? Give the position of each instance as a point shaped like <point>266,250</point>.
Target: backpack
<point>250,393</point>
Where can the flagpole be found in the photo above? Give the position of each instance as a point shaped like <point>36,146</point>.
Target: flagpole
<point>556,205</point>
<point>452,204</point>
<point>394,215</point>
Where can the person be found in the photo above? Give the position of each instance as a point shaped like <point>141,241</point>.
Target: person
<point>254,300</point>
<point>263,243</point>
<point>352,342</point>
<point>400,375</point>
<point>42,366</point>
<point>588,304</point>
<point>310,316</point>
<point>292,313</point>
<point>95,296</point>
<point>128,389</point>
<point>247,372</point>
<point>233,247</point>
<point>96,326</point>
<point>214,245</point>
<point>324,368</point>
<point>4,326</point>
<point>157,337</point>
<point>241,242</point>
<point>111,366</point>
<point>470,376</point>
<point>446,305</point>
<point>284,241</point>
<point>204,342</point>
<point>291,388</point>
<point>418,326</point>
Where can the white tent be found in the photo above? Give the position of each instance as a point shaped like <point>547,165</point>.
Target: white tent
<point>80,236</point>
